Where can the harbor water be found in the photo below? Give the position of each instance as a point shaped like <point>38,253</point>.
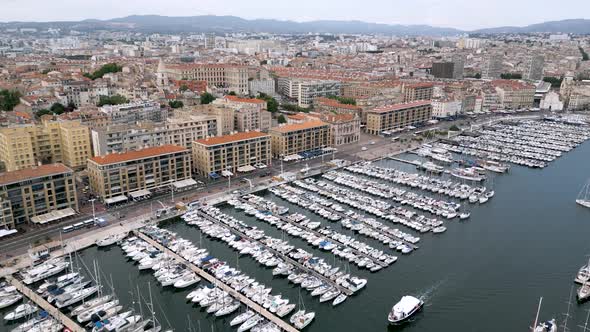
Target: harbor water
<point>485,274</point>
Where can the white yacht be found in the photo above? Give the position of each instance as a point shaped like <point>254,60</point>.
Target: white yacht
<point>301,319</point>
<point>110,240</point>
<point>76,296</point>
<point>44,271</point>
<point>250,323</point>
<point>239,319</point>
<point>21,311</point>
<point>404,309</point>
<point>7,301</point>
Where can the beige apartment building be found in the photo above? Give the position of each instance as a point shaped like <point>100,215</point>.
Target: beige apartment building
<point>26,146</point>
<point>514,94</point>
<point>29,194</point>
<point>295,138</point>
<point>239,152</point>
<point>227,76</point>
<point>118,177</point>
<point>344,128</point>
<point>418,91</point>
<point>249,113</point>
<point>398,116</point>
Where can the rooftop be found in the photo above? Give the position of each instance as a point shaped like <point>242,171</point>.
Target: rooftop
<point>397,107</point>
<point>244,100</point>
<point>298,126</point>
<point>33,172</point>
<point>335,103</point>
<point>138,154</point>
<point>241,136</point>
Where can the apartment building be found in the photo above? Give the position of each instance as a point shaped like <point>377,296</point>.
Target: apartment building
<point>249,113</point>
<point>226,76</point>
<point>267,86</point>
<point>533,67</point>
<point>444,108</point>
<point>344,128</point>
<point>398,116</point>
<point>238,152</point>
<point>26,146</point>
<point>180,130</point>
<point>417,91</point>
<point>36,191</point>
<point>514,94</point>
<point>115,178</point>
<point>296,138</point>
<point>85,93</point>
<point>492,67</point>
<point>304,91</point>
<point>135,111</point>
<point>225,116</point>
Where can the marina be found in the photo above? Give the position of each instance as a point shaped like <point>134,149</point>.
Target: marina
<point>364,208</point>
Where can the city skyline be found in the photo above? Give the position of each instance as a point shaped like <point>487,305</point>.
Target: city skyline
<point>450,14</point>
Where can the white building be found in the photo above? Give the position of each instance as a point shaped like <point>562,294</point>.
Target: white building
<point>305,90</point>
<point>445,108</point>
<point>265,86</point>
<point>135,111</point>
<point>551,102</point>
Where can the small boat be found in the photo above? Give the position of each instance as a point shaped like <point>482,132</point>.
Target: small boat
<point>583,198</point>
<point>339,299</point>
<point>301,319</point>
<point>110,240</point>
<point>548,326</point>
<point>250,323</point>
<point>285,309</point>
<point>187,280</point>
<point>239,319</point>
<point>21,311</point>
<point>227,309</point>
<point>402,311</point>
<point>90,304</point>
<point>7,301</point>
<point>583,293</point>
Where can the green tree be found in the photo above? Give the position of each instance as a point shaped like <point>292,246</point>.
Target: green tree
<point>511,76</point>
<point>176,104</point>
<point>71,107</point>
<point>207,98</point>
<point>108,68</point>
<point>555,82</point>
<point>282,119</point>
<point>112,100</point>
<point>57,108</point>
<point>42,112</point>
<point>183,88</point>
<point>454,128</point>
<point>272,105</point>
<point>344,100</point>
<point>9,99</point>
<point>232,93</point>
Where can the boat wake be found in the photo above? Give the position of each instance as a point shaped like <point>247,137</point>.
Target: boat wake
<point>428,294</point>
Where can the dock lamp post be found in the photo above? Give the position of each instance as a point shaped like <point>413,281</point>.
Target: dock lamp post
<point>93,211</point>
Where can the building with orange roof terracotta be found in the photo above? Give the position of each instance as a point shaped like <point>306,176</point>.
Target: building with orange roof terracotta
<point>344,128</point>
<point>35,191</point>
<point>116,177</point>
<point>398,116</point>
<point>295,138</point>
<point>513,94</point>
<point>226,76</point>
<point>417,91</point>
<point>238,152</point>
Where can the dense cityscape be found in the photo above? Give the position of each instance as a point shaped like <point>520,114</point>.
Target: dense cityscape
<point>163,178</point>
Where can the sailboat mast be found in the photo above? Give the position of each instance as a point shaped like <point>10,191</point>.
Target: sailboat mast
<point>537,316</point>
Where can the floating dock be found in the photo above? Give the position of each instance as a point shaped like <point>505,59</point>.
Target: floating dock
<point>242,298</point>
<point>283,256</point>
<point>38,300</point>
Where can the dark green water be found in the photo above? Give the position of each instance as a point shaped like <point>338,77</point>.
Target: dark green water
<point>486,274</point>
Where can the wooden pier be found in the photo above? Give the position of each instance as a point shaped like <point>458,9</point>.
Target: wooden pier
<point>286,258</point>
<point>53,311</point>
<point>242,298</point>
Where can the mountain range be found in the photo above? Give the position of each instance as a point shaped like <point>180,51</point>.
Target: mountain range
<point>221,24</point>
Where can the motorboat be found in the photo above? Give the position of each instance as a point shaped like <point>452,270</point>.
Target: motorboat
<point>402,311</point>
<point>187,280</point>
<point>8,300</point>
<point>583,293</point>
<point>110,240</point>
<point>548,326</point>
<point>21,311</point>
<point>339,299</point>
<point>250,323</point>
<point>86,315</point>
<point>239,319</point>
<point>90,304</point>
<point>228,309</point>
<point>285,309</point>
<point>75,297</point>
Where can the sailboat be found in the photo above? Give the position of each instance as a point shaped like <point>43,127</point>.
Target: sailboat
<point>301,319</point>
<point>584,196</point>
<point>548,326</point>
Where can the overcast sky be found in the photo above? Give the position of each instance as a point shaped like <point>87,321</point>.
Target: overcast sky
<point>462,14</point>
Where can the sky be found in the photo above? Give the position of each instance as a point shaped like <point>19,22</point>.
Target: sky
<point>461,14</point>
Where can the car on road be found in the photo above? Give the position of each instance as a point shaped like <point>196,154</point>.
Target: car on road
<point>364,148</point>
<point>372,143</point>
